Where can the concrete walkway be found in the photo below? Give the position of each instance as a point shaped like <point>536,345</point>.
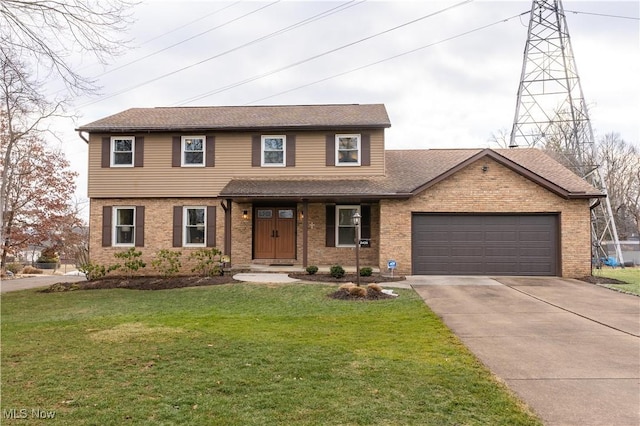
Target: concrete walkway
<point>569,349</point>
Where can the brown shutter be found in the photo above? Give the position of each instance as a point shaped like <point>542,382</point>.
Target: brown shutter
<point>139,226</point>
<point>331,149</point>
<point>210,151</point>
<point>107,213</point>
<point>256,155</point>
<point>138,160</point>
<point>211,226</point>
<point>176,152</point>
<point>331,226</point>
<point>291,150</point>
<point>365,149</point>
<point>106,152</point>
<point>177,226</point>
<point>365,229</point>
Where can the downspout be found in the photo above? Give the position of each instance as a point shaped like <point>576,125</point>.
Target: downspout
<point>83,137</point>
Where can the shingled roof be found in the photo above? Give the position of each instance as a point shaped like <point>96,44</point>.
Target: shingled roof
<point>243,118</point>
<point>409,172</point>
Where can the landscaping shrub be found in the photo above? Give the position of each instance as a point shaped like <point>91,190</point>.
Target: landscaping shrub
<point>337,271</point>
<point>167,262</point>
<point>358,291</point>
<point>366,271</point>
<point>346,286</point>
<point>132,261</point>
<point>14,267</point>
<point>312,269</point>
<point>208,262</point>
<point>48,255</point>
<point>31,270</point>
<point>93,271</point>
<point>374,287</point>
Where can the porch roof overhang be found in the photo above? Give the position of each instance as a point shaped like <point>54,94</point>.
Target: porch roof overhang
<point>319,190</point>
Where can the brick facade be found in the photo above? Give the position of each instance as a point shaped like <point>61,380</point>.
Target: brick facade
<point>498,190</point>
<point>471,190</point>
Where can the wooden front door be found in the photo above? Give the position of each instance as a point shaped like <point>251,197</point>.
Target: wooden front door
<point>275,233</point>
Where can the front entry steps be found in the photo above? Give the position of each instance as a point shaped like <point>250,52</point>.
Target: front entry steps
<point>296,268</point>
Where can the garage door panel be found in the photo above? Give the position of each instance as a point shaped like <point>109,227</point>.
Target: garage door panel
<point>484,244</point>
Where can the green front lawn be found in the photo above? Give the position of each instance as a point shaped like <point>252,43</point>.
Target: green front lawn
<point>241,354</point>
<point>631,276</point>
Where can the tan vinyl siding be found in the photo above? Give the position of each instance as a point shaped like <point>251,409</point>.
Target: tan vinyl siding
<point>233,159</point>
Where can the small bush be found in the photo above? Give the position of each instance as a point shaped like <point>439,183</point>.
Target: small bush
<point>312,269</point>
<point>48,255</point>
<point>207,262</point>
<point>167,262</point>
<point>93,271</point>
<point>374,287</point>
<point>346,286</point>
<point>358,291</point>
<point>132,261</point>
<point>14,267</point>
<point>366,271</point>
<point>337,271</point>
<point>31,270</point>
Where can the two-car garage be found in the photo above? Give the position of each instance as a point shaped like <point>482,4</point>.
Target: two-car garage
<point>485,244</point>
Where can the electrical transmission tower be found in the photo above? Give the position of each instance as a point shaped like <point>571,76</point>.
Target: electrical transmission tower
<point>551,112</point>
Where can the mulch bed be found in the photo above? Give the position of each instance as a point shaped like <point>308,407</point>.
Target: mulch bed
<point>160,283</point>
<point>141,283</point>
<point>601,280</point>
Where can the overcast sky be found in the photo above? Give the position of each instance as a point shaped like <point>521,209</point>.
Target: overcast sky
<point>454,90</point>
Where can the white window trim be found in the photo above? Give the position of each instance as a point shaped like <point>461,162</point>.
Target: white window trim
<point>337,144</point>
<point>114,236</point>
<point>183,151</point>
<point>113,147</point>
<point>337,222</point>
<point>185,217</point>
<point>284,151</point>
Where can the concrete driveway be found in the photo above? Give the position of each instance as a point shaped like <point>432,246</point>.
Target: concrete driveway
<point>569,349</point>
<point>24,283</point>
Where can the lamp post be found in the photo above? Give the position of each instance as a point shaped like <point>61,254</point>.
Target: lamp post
<point>356,221</point>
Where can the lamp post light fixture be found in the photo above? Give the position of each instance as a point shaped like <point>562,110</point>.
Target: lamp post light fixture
<point>356,221</point>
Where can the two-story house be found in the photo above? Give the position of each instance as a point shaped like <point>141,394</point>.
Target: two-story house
<point>280,185</point>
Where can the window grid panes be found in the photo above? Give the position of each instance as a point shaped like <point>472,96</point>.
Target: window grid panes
<point>193,151</point>
<point>195,225</point>
<point>348,150</point>
<point>122,151</point>
<point>345,229</point>
<point>273,150</point>
<point>124,225</point>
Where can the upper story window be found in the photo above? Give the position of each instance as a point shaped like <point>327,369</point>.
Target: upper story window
<point>195,220</point>
<point>124,229</point>
<point>274,151</point>
<point>193,151</point>
<point>345,229</point>
<point>122,151</point>
<point>348,150</point>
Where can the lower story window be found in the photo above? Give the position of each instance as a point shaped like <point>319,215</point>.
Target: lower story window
<point>345,229</point>
<point>194,226</point>
<point>124,229</point>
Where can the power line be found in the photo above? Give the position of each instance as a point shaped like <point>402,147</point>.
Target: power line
<point>316,17</point>
<point>186,39</point>
<point>173,72</point>
<point>390,58</point>
<point>634,18</point>
<point>311,58</point>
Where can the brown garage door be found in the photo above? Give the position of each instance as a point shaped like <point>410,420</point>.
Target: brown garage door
<point>484,244</point>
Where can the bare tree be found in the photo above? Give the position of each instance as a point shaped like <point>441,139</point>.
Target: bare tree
<point>48,33</point>
<point>620,165</point>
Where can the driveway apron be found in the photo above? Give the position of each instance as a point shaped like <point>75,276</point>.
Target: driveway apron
<point>569,349</point>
